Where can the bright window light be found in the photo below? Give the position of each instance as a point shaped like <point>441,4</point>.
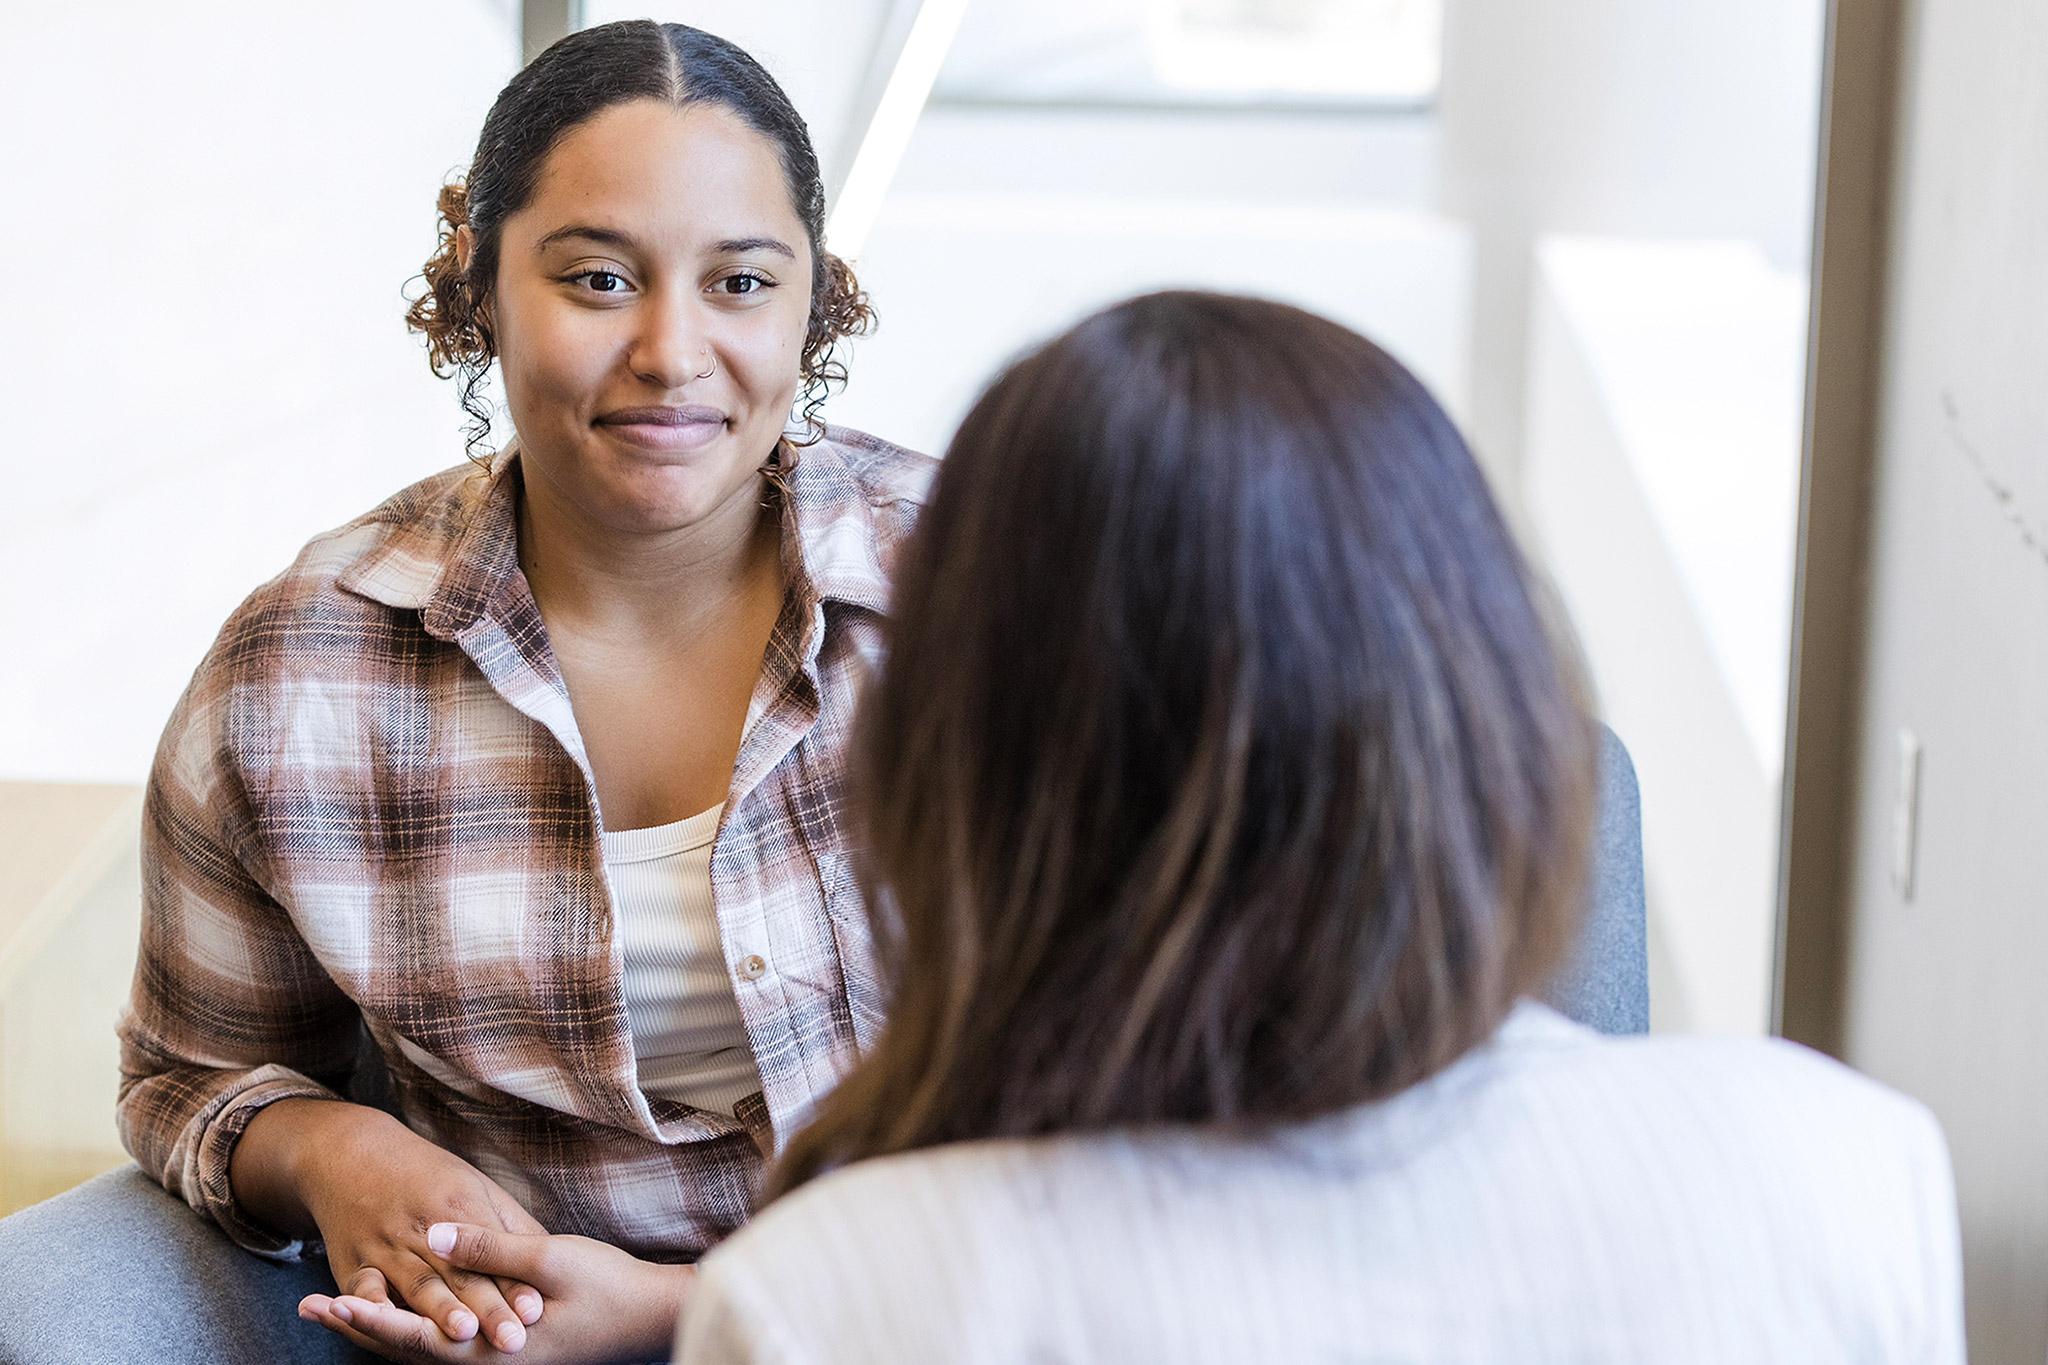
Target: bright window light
<point>1371,49</point>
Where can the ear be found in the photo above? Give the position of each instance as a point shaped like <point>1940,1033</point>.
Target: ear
<point>465,247</point>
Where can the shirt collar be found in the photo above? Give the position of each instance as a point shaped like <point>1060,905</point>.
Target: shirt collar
<point>835,529</point>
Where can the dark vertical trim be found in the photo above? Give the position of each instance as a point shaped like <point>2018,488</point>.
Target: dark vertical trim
<point>541,22</point>
<point>1859,92</point>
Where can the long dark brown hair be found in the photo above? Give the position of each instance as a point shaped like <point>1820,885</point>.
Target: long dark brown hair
<point>1224,768</point>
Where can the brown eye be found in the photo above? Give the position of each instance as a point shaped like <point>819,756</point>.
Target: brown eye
<point>604,282</point>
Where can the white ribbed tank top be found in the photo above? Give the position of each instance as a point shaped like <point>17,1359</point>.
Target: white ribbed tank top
<point>688,1037</point>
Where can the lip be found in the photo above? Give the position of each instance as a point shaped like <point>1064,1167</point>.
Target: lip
<point>660,427</point>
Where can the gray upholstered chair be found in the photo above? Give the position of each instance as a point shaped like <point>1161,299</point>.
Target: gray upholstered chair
<point>1607,985</point>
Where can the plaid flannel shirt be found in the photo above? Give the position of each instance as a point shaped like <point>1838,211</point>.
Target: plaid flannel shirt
<point>372,807</point>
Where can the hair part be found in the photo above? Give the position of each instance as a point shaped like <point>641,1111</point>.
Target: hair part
<point>574,80</point>
<point>1222,769</point>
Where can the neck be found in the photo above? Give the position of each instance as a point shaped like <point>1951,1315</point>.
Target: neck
<point>647,586</point>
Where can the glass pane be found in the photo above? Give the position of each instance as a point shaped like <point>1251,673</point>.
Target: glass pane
<point>1382,49</point>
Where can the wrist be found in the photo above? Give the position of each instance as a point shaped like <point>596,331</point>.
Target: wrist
<point>665,1295</point>
<point>280,1165</point>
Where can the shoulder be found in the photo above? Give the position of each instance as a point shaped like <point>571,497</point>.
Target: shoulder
<point>402,542</point>
<point>1725,1166</point>
<point>315,621</point>
<point>1756,1132</point>
<point>856,500</point>
<point>1766,1081</point>
<point>886,473</point>
<point>891,480</point>
<point>928,1256</point>
<point>880,1201</point>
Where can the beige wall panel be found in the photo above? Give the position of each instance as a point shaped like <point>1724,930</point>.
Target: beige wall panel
<point>1947,997</point>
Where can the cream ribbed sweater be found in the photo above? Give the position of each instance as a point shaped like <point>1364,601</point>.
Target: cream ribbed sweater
<point>1554,1197</point>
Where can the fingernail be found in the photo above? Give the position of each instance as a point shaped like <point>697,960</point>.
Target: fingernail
<point>441,1238</point>
<point>340,1310</point>
<point>462,1324</point>
<point>527,1306</point>
<point>511,1336</point>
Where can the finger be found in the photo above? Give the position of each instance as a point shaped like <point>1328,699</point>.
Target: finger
<point>389,1330</point>
<point>429,1296</point>
<point>490,1251</point>
<point>497,1321</point>
<point>473,1246</point>
<point>512,1215</point>
<point>368,1283</point>
<point>328,1314</point>
<point>523,1297</point>
<point>501,1323</point>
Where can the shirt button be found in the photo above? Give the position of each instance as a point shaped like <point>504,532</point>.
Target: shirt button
<point>751,968</point>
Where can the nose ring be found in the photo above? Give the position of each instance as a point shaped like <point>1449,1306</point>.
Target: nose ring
<point>710,365</point>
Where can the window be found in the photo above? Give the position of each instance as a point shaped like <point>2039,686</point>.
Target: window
<point>1365,54</point>
<point>1379,50</point>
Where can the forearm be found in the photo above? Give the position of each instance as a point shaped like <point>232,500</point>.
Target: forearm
<point>272,1170</point>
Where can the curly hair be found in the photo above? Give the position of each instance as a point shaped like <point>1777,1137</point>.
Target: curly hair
<point>574,80</point>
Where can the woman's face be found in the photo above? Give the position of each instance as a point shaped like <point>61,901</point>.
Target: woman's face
<point>650,309</point>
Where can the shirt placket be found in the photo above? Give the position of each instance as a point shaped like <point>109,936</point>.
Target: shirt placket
<point>767,893</point>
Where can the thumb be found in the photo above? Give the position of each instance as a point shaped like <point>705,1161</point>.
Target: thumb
<point>512,1215</point>
<point>490,1251</point>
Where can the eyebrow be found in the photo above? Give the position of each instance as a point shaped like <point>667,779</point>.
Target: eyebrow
<point>735,246</point>
<point>601,236</point>
<point>731,246</point>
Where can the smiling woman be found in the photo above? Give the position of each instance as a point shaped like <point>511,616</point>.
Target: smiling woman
<point>523,787</point>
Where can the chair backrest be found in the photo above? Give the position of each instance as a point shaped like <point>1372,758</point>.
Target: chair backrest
<point>1607,984</point>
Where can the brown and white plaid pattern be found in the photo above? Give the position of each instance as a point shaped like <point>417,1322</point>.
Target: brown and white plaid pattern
<point>373,804</point>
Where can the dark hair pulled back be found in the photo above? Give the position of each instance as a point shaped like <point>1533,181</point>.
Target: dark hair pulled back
<point>571,82</point>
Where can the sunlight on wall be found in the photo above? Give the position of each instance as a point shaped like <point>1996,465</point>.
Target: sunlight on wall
<point>1665,399</point>
<point>964,282</point>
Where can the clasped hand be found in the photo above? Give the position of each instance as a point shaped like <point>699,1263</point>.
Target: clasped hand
<point>377,1193</point>
<point>601,1303</point>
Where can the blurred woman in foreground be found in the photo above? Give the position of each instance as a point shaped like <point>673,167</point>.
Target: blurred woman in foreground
<point>1225,794</point>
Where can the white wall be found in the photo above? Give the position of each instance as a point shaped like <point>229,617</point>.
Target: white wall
<point>963,283</point>
<point>1664,118</point>
<point>70,919</point>
<point>1005,223</point>
<point>1661,478</point>
<point>1654,126</point>
<point>213,206</point>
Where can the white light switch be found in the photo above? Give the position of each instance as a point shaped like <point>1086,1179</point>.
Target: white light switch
<point>1906,813</point>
